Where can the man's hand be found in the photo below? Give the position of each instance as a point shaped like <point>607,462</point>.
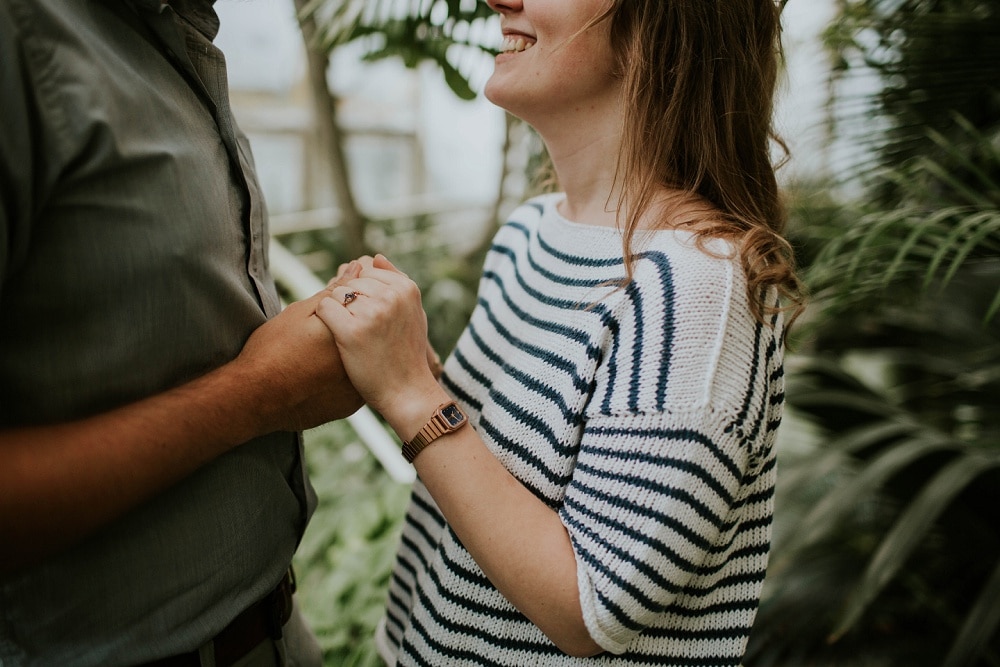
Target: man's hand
<point>61,482</point>
<point>294,363</point>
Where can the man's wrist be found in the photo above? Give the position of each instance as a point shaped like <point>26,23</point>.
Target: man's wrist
<point>237,400</point>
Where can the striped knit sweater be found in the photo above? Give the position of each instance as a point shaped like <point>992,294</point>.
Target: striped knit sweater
<point>644,416</point>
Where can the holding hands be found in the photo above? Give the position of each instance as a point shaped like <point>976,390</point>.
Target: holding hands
<point>380,329</point>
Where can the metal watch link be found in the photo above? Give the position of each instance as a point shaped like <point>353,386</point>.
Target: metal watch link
<point>448,417</point>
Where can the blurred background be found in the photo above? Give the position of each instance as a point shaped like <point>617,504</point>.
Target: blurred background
<point>370,135</point>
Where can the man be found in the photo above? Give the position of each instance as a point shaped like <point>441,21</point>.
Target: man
<point>152,489</point>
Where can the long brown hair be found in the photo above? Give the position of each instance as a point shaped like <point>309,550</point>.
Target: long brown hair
<point>699,79</point>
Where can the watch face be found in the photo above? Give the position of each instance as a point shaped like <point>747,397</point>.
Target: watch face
<point>453,415</point>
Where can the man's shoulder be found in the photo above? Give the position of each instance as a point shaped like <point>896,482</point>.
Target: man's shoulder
<point>46,19</point>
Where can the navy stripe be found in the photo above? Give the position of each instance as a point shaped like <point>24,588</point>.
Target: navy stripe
<point>669,434</point>
<point>628,557</point>
<point>666,283</point>
<point>663,491</point>
<point>636,535</point>
<point>644,458</point>
<point>741,417</point>
<point>550,358</point>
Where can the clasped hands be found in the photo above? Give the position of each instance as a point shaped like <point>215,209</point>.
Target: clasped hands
<point>320,359</point>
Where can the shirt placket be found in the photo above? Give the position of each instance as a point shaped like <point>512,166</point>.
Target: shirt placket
<point>204,65</point>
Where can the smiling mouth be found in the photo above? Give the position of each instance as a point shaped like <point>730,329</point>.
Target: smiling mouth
<point>515,45</point>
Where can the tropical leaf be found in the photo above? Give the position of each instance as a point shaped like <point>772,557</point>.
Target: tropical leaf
<point>913,526</point>
<point>452,34</point>
<point>839,448</point>
<point>909,245</point>
<point>980,628</point>
<point>894,458</point>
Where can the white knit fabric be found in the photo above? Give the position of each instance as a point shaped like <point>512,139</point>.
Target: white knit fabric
<point>645,416</point>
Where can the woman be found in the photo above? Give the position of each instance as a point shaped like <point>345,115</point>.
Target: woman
<point>608,499</point>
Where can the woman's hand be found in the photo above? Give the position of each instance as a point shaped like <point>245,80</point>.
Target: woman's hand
<point>519,542</point>
<point>382,335</point>
<point>351,270</point>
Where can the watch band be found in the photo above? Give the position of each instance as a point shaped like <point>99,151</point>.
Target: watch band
<point>447,418</point>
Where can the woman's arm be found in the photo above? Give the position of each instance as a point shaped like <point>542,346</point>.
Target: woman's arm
<point>518,541</point>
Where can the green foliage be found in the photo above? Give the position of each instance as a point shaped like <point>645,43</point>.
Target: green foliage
<point>887,542</point>
<point>939,226</point>
<point>444,32</point>
<point>887,534</point>
<point>933,61</point>
<point>345,559</point>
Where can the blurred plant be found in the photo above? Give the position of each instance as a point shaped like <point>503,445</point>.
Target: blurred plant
<point>938,227</point>
<point>448,33</point>
<point>887,541</point>
<point>345,558</point>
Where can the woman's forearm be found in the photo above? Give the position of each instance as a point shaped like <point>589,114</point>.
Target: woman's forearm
<point>517,540</point>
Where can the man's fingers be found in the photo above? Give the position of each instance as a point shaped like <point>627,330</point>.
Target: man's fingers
<point>346,272</point>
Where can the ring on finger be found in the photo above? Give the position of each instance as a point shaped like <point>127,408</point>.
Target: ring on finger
<point>351,296</point>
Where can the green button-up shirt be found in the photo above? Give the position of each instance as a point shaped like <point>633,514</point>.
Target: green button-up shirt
<point>133,257</point>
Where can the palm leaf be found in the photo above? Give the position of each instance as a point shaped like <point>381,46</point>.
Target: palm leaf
<point>899,247</point>
<point>440,31</point>
<point>980,627</point>
<point>960,155</point>
<point>993,309</point>
<point>835,450</point>
<point>925,235</point>
<point>969,232</point>
<point>910,529</point>
<point>824,518</point>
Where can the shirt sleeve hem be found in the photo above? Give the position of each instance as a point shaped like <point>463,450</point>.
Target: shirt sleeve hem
<point>589,608</point>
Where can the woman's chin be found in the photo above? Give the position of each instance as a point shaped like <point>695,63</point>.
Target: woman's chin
<point>501,96</point>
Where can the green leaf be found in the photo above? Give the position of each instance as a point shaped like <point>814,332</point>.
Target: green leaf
<point>919,231</point>
<point>841,399</point>
<point>978,227</point>
<point>826,516</point>
<point>980,626</point>
<point>835,450</point>
<point>457,82</point>
<point>912,526</point>
<point>992,310</point>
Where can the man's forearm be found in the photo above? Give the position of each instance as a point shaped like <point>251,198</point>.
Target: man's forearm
<point>62,482</point>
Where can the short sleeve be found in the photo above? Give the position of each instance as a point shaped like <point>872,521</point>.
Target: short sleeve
<point>663,461</point>
<point>649,498</point>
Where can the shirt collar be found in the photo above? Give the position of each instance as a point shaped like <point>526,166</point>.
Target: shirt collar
<point>199,13</point>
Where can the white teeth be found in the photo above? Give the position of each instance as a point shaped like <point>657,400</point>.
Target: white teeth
<point>514,44</point>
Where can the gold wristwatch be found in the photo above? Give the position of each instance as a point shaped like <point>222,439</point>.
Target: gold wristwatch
<point>448,417</point>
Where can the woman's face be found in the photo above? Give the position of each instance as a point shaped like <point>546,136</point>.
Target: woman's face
<point>550,65</point>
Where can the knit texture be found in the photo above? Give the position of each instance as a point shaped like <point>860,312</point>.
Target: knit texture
<point>644,416</point>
